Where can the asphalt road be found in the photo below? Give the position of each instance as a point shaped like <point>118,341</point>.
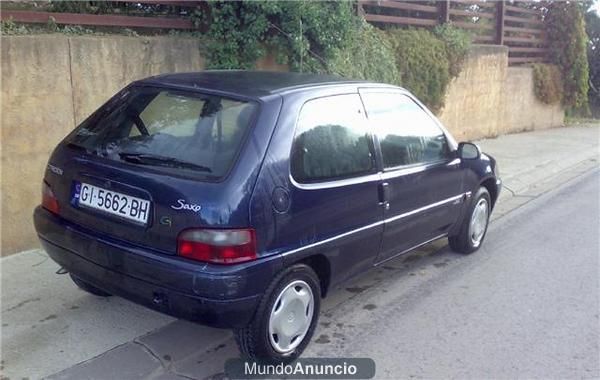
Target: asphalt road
<point>526,305</point>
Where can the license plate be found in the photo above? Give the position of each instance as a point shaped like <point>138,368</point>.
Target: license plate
<point>125,206</point>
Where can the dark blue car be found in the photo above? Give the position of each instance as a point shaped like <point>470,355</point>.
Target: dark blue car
<point>239,199</point>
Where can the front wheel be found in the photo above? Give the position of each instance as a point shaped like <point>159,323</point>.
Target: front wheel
<point>285,319</point>
<point>474,226</point>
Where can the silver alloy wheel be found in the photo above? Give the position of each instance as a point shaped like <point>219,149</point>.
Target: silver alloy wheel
<point>479,221</point>
<point>291,316</point>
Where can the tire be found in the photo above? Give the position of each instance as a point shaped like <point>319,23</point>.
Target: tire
<point>470,237</point>
<point>88,288</point>
<point>257,340</point>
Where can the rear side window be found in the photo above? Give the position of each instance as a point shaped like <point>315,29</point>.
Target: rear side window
<point>406,133</point>
<point>331,141</point>
<point>168,129</point>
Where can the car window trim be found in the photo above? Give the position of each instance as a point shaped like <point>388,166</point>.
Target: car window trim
<point>419,167</point>
<point>452,144</point>
<point>374,176</point>
<point>449,140</point>
<point>340,181</point>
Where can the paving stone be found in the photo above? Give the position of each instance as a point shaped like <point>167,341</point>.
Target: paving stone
<point>48,324</point>
<point>210,363</point>
<point>129,361</point>
<point>181,339</point>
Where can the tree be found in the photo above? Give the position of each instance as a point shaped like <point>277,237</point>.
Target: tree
<point>568,47</point>
<point>593,31</point>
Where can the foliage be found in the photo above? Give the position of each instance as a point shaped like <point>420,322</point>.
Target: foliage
<point>65,6</point>
<point>111,7</point>
<point>236,30</point>
<point>369,55</point>
<point>592,26</point>
<point>423,63</point>
<point>51,25</point>
<point>69,6</point>
<point>567,39</point>
<point>310,32</point>
<point>547,83</point>
<point>305,34</point>
<point>458,43</point>
<point>9,27</point>
<point>586,5</point>
<point>328,37</point>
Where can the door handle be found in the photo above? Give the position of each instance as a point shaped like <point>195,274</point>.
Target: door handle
<point>383,191</point>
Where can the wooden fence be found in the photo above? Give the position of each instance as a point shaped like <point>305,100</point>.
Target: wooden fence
<point>137,15</point>
<point>518,25</point>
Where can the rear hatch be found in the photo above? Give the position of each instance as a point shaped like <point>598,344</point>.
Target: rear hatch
<point>141,168</point>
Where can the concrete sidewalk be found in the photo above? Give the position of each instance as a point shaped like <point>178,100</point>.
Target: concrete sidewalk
<point>52,329</point>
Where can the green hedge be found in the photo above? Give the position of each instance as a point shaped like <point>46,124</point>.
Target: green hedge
<point>328,37</point>
<point>304,34</point>
<point>427,61</point>
<point>423,64</point>
<point>458,43</point>
<point>369,55</point>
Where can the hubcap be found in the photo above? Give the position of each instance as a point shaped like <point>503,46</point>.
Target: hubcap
<point>479,221</point>
<point>291,316</point>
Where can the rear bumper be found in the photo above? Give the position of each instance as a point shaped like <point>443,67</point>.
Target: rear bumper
<point>218,296</point>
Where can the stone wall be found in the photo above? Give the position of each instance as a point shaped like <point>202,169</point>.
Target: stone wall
<point>50,83</point>
<point>489,98</point>
<point>522,110</point>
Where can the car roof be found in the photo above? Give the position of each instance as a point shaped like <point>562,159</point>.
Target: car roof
<point>250,83</point>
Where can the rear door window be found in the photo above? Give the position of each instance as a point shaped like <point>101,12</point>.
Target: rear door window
<point>169,129</point>
<point>407,134</point>
<point>332,140</point>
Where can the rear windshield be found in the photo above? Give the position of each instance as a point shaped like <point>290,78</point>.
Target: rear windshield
<point>168,129</point>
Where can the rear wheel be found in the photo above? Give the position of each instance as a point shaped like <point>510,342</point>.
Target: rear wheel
<point>285,319</point>
<point>475,224</point>
<point>88,288</point>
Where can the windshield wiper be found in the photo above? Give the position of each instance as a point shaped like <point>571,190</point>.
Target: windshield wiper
<point>151,159</point>
<point>83,148</point>
<point>77,146</point>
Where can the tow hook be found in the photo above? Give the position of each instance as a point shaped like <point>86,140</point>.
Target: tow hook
<point>159,299</point>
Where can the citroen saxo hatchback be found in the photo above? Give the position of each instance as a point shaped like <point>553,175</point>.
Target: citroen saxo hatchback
<point>239,199</point>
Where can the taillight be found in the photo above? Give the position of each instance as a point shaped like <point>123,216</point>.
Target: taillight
<point>217,246</point>
<point>49,201</point>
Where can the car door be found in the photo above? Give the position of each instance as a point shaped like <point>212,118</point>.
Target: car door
<point>421,178</point>
<point>334,209</point>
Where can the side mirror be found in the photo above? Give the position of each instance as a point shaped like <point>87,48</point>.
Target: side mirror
<point>468,151</point>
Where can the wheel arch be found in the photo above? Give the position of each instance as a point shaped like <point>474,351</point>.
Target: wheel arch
<point>322,267</point>
<point>490,185</point>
